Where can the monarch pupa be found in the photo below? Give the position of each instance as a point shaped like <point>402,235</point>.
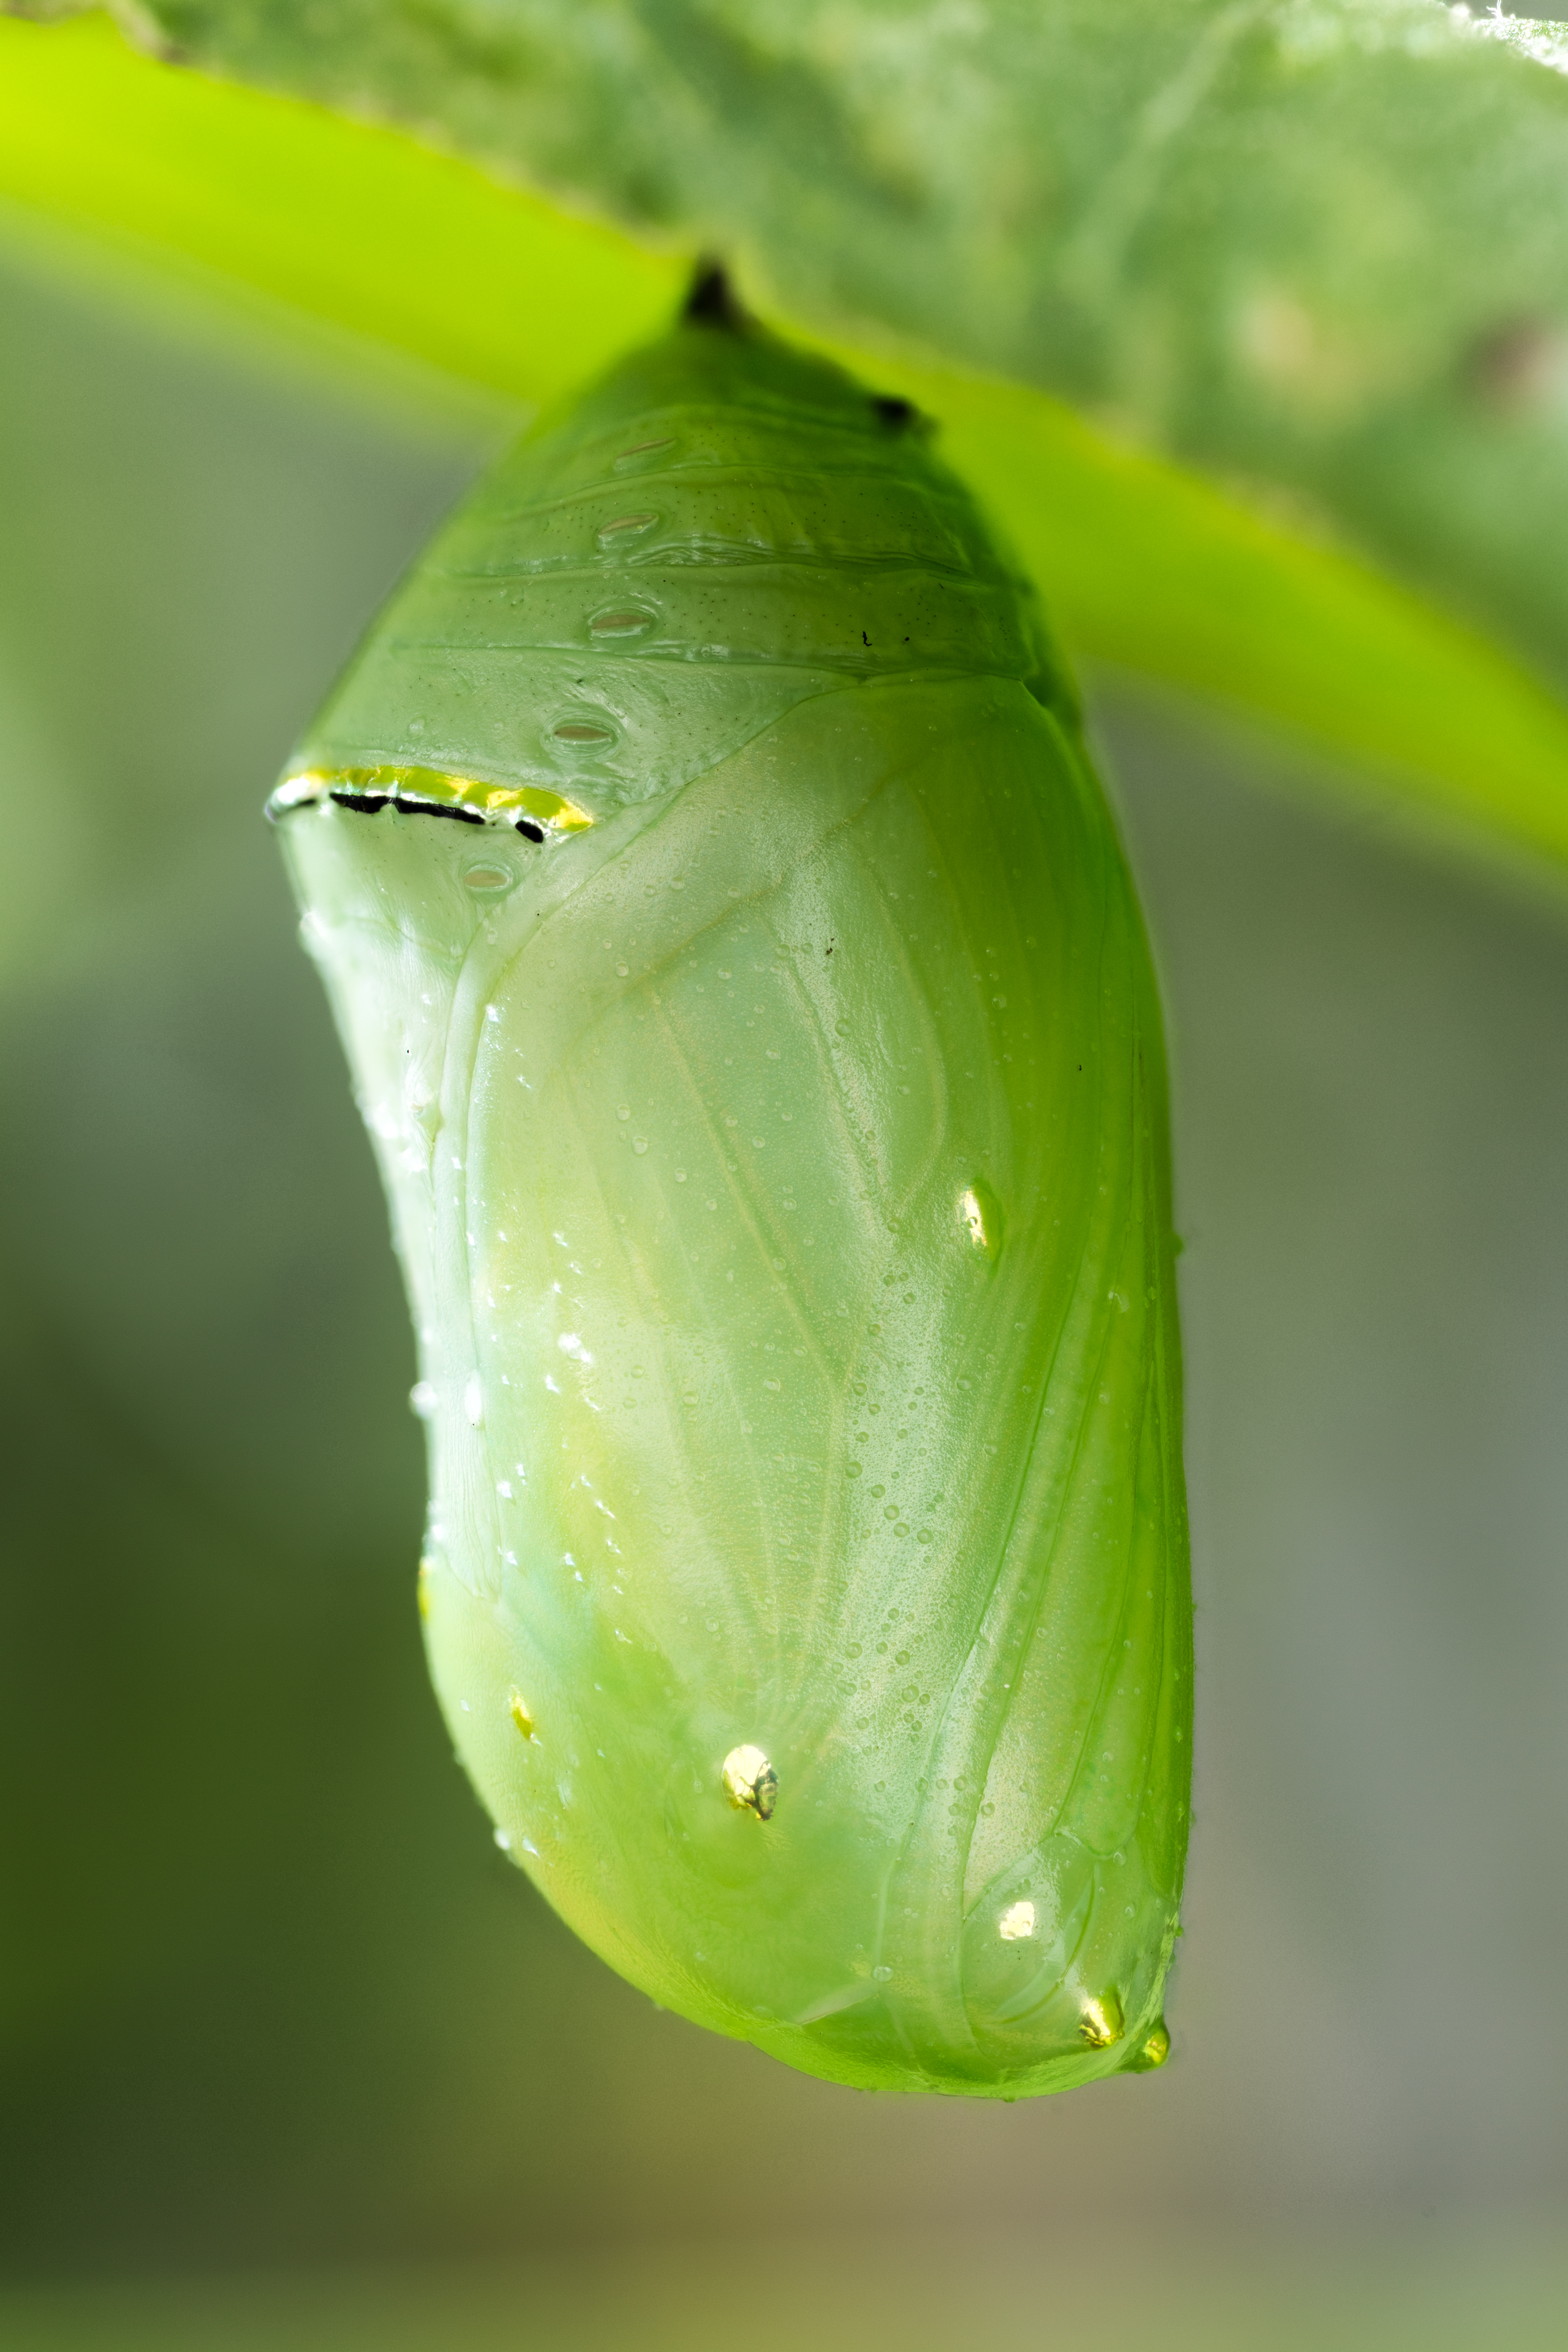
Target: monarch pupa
<point>765,1069</point>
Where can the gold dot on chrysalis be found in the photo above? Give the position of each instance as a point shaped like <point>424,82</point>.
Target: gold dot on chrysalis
<point>980,1215</point>
<point>423,1587</point>
<point>1101,2022</point>
<point>1152,2051</point>
<point>517,1708</point>
<point>749,1781</point>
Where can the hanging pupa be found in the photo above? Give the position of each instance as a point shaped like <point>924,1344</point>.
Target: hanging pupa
<point>749,1005</point>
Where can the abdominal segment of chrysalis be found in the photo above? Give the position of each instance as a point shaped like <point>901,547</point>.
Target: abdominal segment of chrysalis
<point>749,1005</point>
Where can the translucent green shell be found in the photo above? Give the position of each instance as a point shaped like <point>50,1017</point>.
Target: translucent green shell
<point>765,1070</point>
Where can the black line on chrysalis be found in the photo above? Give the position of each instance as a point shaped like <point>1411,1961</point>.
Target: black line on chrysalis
<point>434,808</point>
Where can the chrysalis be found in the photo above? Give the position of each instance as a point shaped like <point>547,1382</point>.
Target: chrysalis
<point>750,1008</point>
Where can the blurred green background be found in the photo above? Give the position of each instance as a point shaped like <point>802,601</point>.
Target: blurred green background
<point>291,2054</point>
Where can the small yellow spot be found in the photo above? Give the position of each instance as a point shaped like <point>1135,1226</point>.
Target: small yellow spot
<point>749,1781</point>
<point>423,1587</point>
<point>517,1708</point>
<point>1102,2022</point>
<point>1152,2051</point>
<point>974,1217</point>
<point>1017,1922</point>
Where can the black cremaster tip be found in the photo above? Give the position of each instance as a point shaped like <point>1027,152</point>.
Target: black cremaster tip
<point>712,301</point>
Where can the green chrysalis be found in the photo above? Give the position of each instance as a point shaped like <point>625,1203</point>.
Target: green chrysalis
<point>765,1069</point>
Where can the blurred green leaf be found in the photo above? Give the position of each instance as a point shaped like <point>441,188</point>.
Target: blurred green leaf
<point>816,156</point>
<point>1321,242</point>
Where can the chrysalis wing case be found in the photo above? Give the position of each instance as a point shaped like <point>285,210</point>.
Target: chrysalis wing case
<point>749,1004</point>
